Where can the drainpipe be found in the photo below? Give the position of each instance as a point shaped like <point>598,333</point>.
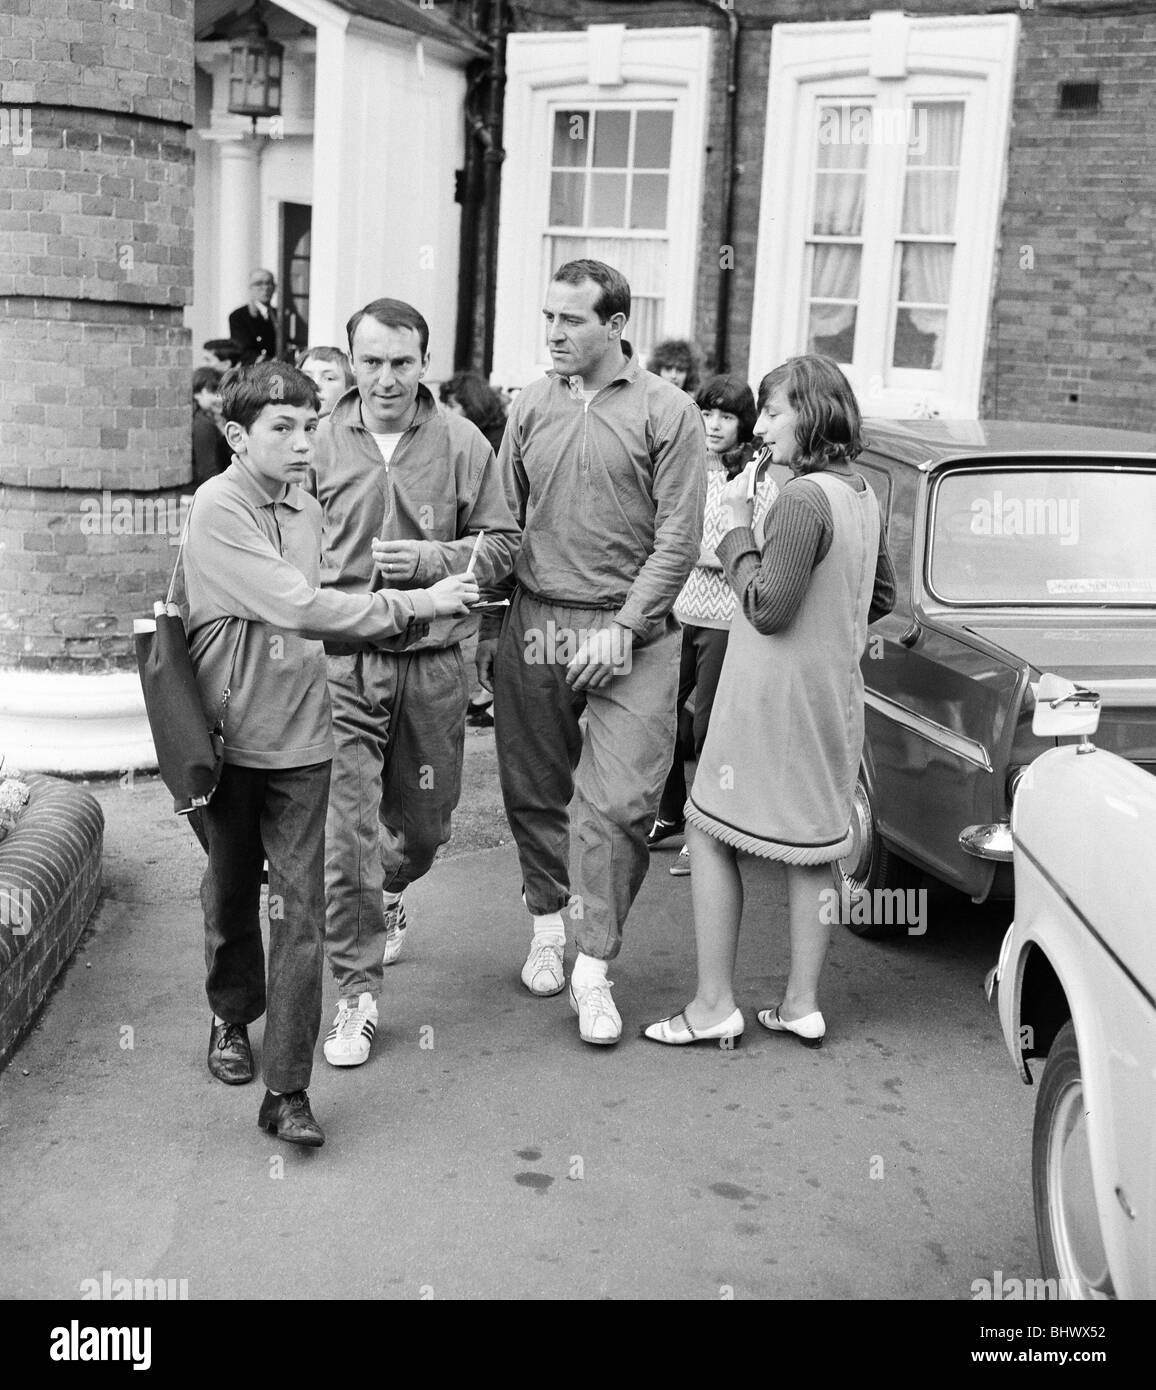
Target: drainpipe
<point>730,177</point>
<point>470,196</point>
<point>494,154</point>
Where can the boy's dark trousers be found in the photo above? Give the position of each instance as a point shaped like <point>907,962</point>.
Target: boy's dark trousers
<point>276,814</point>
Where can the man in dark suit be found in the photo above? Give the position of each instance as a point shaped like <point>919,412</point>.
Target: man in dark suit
<point>252,326</point>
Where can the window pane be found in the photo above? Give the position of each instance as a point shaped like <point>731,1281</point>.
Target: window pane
<point>611,139</point>
<point>935,133</point>
<point>648,201</point>
<point>832,331</point>
<point>566,193</point>
<point>919,337</point>
<point>925,274</point>
<point>929,202</point>
<point>652,139</point>
<point>1056,536</point>
<point>570,132</point>
<point>844,134</point>
<point>835,272</point>
<point>834,296</point>
<point>607,200</point>
<point>838,203</point>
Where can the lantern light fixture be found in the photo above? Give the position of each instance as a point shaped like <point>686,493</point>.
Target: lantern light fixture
<point>255,71</point>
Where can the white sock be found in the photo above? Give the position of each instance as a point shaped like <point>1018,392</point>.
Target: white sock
<point>391,899</point>
<point>218,1022</point>
<point>588,970</point>
<point>550,927</point>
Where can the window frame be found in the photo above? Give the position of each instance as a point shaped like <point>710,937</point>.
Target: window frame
<point>961,58</point>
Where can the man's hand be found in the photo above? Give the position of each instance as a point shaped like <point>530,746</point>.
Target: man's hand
<point>397,560</point>
<point>602,655</point>
<point>453,595</point>
<point>484,662</point>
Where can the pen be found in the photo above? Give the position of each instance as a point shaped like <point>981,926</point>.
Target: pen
<point>474,552</point>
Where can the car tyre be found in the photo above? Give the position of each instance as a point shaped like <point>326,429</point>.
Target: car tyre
<point>868,866</point>
<point>1067,1219</point>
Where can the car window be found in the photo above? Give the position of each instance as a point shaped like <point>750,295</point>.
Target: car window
<point>1076,535</point>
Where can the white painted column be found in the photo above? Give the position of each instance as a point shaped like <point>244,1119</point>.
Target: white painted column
<point>237,238</point>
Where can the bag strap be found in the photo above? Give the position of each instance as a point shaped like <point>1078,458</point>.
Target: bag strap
<point>219,722</point>
<point>180,551</point>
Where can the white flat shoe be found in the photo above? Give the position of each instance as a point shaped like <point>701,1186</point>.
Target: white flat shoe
<point>810,1029</point>
<point>728,1033</point>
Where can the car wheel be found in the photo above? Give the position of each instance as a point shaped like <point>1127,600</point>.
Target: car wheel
<point>1067,1220</point>
<point>867,866</point>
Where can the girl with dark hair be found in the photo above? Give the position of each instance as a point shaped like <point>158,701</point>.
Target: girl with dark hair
<point>678,361</point>
<point>471,395</point>
<point>707,603</point>
<point>777,773</point>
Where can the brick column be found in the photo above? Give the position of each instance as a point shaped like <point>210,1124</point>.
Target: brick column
<point>95,363</point>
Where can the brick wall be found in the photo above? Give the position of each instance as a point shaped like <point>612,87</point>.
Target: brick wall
<point>49,886</point>
<point>1071,327</point>
<point>95,268</point>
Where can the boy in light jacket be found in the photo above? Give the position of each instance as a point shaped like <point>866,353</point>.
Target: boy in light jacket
<point>256,621</point>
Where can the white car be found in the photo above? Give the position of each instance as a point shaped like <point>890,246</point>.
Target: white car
<point>1077,985</point>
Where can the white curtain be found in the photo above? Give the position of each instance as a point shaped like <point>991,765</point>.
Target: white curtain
<point>929,205</point>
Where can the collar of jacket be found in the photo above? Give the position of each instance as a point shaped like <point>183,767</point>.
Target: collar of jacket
<point>259,490</point>
<point>346,414</point>
<point>629,371</point>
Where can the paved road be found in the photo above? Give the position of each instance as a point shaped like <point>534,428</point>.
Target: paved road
<point>484,1151</point>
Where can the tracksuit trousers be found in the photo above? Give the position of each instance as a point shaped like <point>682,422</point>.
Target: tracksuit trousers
<point>399,726</point>
<point>580,807</point>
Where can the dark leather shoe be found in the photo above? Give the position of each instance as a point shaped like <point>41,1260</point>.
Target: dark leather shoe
<point>230,1056</point>
<point>289,1118</point>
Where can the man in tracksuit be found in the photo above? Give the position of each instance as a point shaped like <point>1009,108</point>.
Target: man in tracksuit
<point>405,491</point>
<point>609,466</point>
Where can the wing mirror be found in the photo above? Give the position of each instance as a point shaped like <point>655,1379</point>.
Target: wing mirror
<point>1064,709</point>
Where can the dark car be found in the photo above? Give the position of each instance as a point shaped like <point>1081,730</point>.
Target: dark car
<point>1018,549</point>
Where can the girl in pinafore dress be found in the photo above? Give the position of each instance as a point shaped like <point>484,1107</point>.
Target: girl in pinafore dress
<point>777,773</point>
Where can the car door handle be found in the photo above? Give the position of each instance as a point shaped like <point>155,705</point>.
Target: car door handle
<point>911,634</point>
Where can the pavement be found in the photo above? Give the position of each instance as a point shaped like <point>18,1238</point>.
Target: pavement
<point>484,1151</point>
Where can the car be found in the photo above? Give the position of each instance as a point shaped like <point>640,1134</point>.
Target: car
<point>1018,549</point>
<point>1076,982</point>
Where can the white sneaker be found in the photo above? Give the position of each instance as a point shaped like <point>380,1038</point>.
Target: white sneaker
<point>544,973</point>
<point>394,930</point>
<point>598,1020</point>
<point>681,866</point>
<point>348,1042</point>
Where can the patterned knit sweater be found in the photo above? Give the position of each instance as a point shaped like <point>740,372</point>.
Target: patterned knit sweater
<point>707,599</point>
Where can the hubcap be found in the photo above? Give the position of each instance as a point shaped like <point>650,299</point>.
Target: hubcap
<point>1072,1213</point>
<point>855,866</point>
